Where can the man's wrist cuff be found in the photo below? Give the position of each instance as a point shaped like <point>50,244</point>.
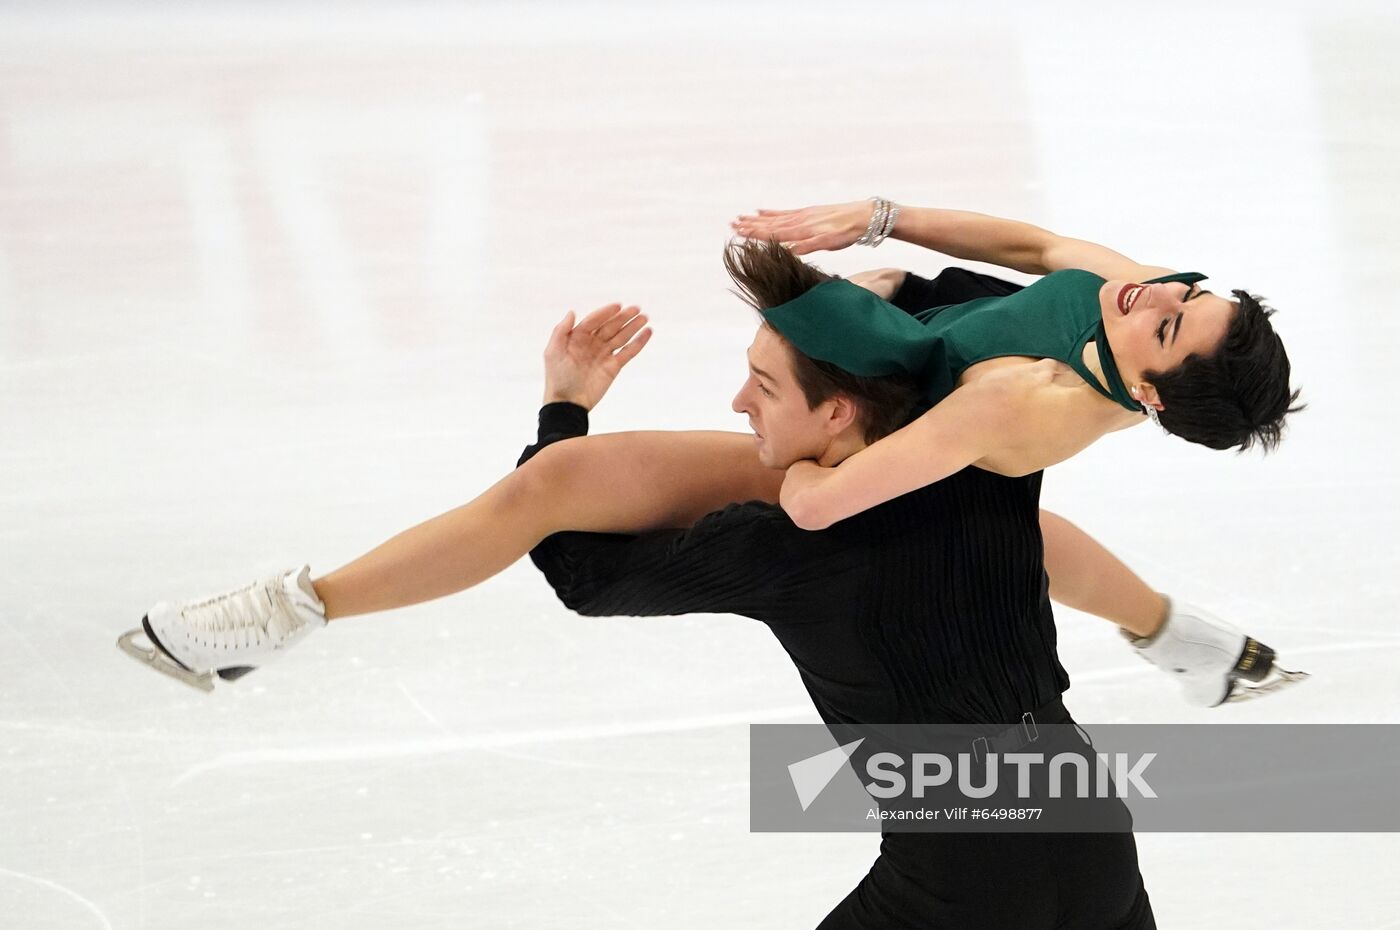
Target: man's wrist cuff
<point>563,417</point>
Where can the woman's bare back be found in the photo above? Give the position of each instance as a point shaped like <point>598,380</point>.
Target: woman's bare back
<point>1060,413</point>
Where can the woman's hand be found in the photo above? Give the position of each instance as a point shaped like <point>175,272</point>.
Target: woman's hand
<point>582,359</point>
<point>810,229</point>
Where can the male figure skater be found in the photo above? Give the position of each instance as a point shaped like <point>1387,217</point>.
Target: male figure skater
<point>932,608</point>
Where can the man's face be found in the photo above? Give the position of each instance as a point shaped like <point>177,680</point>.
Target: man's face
<point>785,429</point>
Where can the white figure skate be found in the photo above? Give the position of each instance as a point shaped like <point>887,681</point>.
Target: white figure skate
<point>228,635</point>
<point>1213,661</point>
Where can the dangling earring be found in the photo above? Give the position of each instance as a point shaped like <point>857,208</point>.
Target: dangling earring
<point>1148,409</point>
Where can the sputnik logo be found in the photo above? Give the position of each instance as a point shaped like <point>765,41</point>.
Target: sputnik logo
<point>811,776</point>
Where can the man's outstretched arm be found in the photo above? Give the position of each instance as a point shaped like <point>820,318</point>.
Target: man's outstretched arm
<point>729,561</point>
<point>582,359</point>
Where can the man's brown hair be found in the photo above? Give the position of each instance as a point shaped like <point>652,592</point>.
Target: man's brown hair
<point>767,275</point>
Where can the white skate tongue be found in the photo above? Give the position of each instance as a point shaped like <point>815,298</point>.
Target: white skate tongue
<point>297,584</point>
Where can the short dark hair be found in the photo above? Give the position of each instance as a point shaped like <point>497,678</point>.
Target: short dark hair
<point>1239,395</point>
<point>767,275</point>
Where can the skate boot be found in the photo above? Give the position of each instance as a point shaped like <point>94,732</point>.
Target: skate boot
<point>230,634</point>
<point>1213,661</point>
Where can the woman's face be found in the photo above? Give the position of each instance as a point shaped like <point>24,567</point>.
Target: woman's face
<point>1153,327</point>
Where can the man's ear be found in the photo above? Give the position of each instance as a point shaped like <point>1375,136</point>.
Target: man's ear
<point>844,412</point>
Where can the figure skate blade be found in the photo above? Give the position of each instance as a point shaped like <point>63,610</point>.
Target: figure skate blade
<point>153,656</point>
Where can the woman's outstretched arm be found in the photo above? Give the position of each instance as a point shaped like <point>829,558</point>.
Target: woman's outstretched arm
<point>957,233</point>
<point>965,426</point>
<point>1009,422</point>
<point>961,234</point>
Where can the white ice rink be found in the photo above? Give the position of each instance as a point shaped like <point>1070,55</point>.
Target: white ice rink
<point>274,282</point>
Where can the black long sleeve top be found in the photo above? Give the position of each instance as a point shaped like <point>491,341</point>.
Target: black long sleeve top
<point>931,608</point>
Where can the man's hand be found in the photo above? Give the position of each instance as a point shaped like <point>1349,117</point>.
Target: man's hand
<point>582,359</point>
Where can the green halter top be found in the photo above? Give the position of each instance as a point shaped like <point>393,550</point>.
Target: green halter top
<point>1055,317</point>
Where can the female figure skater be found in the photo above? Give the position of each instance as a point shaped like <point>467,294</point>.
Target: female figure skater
<point>1001,403</point>
<point>1159,347</point>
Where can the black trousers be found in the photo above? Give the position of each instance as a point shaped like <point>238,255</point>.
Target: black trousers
<point>1002,881</point>
<point>985,881</point>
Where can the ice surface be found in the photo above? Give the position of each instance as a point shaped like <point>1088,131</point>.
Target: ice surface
<point>274,281</point>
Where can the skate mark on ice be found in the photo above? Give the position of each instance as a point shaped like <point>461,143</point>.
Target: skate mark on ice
<point>628,769</point>
<point>437,724</point>
<point>1136,668</point>
<point>425,747</point>
<point>516,754</point>
<point>55,886</point>
<point>1346,647</point>
<point>136,823</point>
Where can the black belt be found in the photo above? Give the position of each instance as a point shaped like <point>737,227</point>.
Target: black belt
<point>1019,735</point>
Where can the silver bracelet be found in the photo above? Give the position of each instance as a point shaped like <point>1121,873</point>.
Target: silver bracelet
<point>893,215</point>
<point>879,215</point>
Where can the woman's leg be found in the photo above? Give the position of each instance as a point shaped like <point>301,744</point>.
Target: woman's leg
<point>617,482</point>
<point>1086,576</point>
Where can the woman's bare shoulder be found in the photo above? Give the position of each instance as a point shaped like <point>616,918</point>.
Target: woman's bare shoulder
<point>1055,418</point>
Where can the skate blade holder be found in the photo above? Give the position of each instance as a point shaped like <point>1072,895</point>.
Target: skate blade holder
<point>1276,680</point>
<point>150,655</point>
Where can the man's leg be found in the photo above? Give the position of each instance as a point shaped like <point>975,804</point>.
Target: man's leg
<point>613,483</point>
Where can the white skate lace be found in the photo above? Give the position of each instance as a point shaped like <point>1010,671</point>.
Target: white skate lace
<point>247,617</point>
